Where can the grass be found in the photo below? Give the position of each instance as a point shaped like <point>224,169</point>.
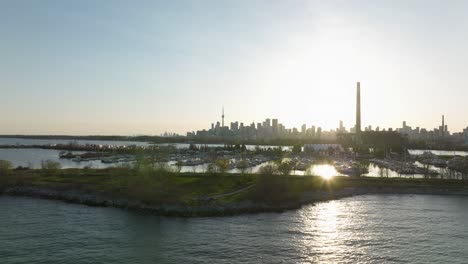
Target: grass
<point>155,187</point>
<point>159,186</point>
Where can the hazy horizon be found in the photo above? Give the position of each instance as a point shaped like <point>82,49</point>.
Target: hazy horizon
<point>146,67</point>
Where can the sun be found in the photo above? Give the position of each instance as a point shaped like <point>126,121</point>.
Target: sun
<point>325,171</point>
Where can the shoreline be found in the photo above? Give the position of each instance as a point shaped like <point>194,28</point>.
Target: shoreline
<point>213,209</point>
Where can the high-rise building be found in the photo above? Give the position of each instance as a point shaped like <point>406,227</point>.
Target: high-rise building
<point>275,127</point>
<point>358,109</point>
<point>234,126</point>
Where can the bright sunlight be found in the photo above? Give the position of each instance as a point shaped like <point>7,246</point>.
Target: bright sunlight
<point>326,171</point>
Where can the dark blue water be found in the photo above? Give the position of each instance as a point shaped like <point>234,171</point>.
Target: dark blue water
<point>365,229</point>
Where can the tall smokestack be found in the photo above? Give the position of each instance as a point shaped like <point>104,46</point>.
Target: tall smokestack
<point>358,109</point>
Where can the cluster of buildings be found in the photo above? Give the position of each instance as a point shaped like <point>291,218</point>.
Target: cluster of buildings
<point>441,134</point>
<point>271,128</point>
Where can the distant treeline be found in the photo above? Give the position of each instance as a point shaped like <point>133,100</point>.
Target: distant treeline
<point>182,139</point>
<point>156,139</point>
<point>370,139</point>
<point>437,145</point>
<point>261,141</point>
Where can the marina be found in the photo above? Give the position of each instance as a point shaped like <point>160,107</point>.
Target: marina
<point>197,157</point>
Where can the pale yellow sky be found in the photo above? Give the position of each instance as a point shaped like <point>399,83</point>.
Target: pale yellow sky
<point>150,67</point>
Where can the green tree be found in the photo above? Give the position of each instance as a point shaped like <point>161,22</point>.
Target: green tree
<point>222,165</point>
<point>297,148</point>
<point>285,167</point>
<point>268,169</point>
<point>243,166</point>
<point>179,165</point>
<point>211,168</point>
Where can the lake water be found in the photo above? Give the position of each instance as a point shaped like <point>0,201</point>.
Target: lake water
<point>362,229</point>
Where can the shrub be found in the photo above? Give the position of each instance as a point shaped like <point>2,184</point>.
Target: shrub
<point>50,166</point>
<point>273,188</point>
<point>5,167</point>
<point>268,169</point>
<point>243,166</point>
<point>285,167</point>
<point>222,165</point>
<point>178,166</point>
<point>211,168</point>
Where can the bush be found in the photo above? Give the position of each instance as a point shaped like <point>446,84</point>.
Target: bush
<point>50,166</point>
<point>211,168</point>
<point>243,166</point>
<point>273,188</point>
<point>285,167</point>
<point>5,167</point>
<point>222,165</point>
<point>268,169</point>
<point>149,182</point>
<point>178,166</point>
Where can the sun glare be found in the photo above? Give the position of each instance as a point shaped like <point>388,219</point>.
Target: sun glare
<point>325,171</point>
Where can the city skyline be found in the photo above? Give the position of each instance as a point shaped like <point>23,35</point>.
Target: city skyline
<point>273,129</point>
<point>150,66</point>
<point>404,128</point>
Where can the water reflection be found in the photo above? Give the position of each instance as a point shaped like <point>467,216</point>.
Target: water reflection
<point>334,228</point>
<point>324,170</point>
<point>321,222</point>
<point>361,229</point>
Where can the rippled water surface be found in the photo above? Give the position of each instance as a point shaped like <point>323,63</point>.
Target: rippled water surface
<point>373,229</point>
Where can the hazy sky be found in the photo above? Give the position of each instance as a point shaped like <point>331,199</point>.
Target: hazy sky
<point>143,67</point>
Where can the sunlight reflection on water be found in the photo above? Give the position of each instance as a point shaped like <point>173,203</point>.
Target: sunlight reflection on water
<point>324,170</point>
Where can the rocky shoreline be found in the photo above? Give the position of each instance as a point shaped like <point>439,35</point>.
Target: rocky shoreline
<point>216,208</point>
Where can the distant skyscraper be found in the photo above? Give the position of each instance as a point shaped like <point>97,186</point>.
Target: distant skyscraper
<point>275,126</point>
<point>235,126</point>
<point>358,109</point>
<point>222,117</point>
